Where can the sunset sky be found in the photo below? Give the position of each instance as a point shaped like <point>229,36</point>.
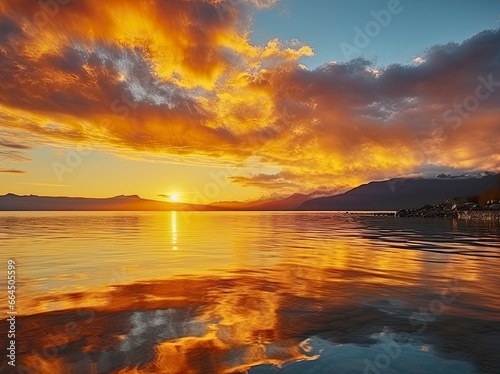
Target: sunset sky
<point>234,100</point>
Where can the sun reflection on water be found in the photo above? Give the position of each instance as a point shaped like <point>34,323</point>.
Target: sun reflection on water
<point>174,230</point>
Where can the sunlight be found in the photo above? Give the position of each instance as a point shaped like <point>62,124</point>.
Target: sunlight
<point>174,230</point>
<point>174,197</point>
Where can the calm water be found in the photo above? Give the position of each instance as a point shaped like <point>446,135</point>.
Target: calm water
<point>252,292</point>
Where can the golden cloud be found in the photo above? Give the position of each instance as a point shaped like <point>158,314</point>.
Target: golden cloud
<point>182,77</point>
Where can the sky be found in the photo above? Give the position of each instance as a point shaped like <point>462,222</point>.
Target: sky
<point>216,100</point>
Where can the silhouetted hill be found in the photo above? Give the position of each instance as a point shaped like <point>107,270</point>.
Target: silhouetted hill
<point>289,203</point>
<point>400,193</point>
<point>57,203</point>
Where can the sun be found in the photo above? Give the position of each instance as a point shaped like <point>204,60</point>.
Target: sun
<point>174,197</point>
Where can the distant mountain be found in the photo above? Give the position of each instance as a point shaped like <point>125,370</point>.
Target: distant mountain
<point>402,193</point>
<point>12,202</point>
<point>288,203</point>
<point>240,205</point>
<point>273,203</point>
<point>281,203</point>
<point>465,176</point>
<point>122,202</point>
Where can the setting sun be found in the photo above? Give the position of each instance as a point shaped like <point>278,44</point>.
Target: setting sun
<point>250,186</point>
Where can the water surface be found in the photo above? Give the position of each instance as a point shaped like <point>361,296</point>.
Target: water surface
<point>256,292</point>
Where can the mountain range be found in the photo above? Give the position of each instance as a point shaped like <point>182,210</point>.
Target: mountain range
<point>403,193</point>
<point>393,194</point>
<point>122,202</point>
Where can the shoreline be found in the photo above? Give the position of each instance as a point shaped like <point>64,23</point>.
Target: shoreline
<point>448,209</point>
<point>488,215</point>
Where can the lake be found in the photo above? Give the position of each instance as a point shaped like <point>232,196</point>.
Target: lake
<point>251,292</point>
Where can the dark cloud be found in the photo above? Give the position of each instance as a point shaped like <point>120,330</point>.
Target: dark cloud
<point>12,171</point>
<point>13,151</point>
<point>8,144</point>
<point>7,28</point>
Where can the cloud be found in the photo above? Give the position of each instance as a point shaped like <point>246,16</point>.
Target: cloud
<point>13,151</point>
<point>8,144</point>
<point>263,4</point>
<point>280,181</point>
<point>145,80</point>
<point>12,171</point>
<point>182,78</point>
<point>47,184</point>
<point>15,156</point>
<point>358,121</point>
<point>418,60</point>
